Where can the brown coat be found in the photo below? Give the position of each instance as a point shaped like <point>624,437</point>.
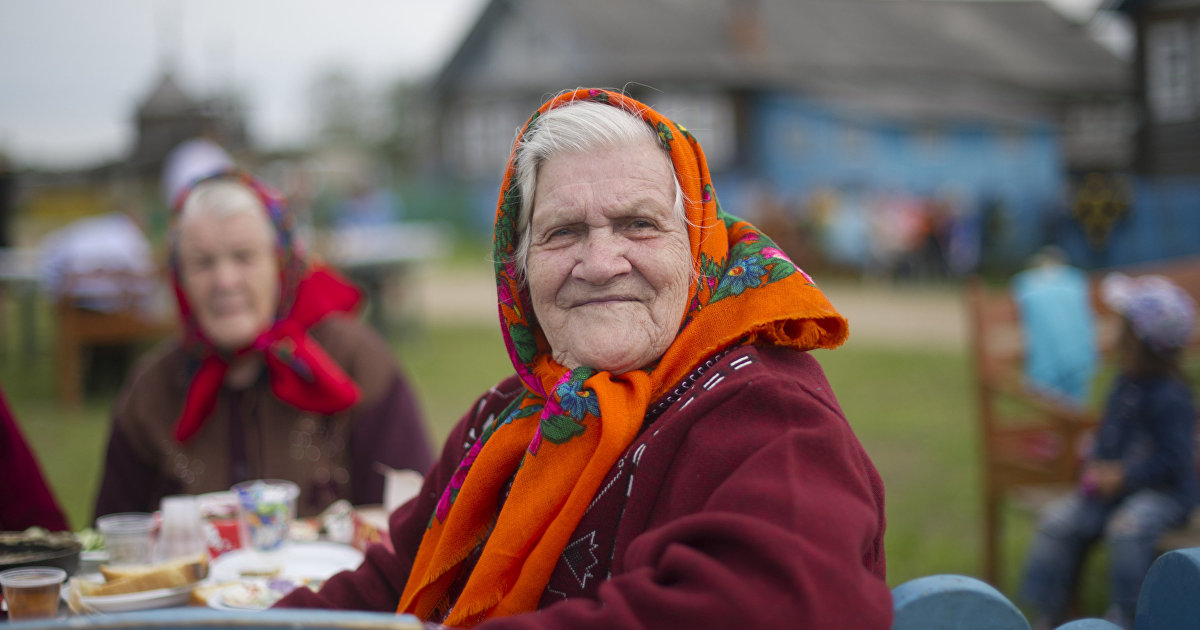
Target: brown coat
<point>253,435</point>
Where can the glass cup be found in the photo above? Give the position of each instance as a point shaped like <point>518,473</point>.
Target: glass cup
<point>181,532</point>
<point>128,537</point>
<point>266,509</point>
<point>32,592</point>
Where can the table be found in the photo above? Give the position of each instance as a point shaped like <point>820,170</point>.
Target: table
<point>380,256</point>
<point>230,583</point>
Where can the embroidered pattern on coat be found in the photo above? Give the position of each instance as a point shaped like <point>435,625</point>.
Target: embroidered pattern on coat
<point>580,556</point>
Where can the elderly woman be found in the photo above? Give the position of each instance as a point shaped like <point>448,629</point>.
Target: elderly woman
<point>667,453</point>
<point>274,377</point>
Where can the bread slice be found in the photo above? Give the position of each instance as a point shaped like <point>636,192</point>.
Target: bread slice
<point>148,577</point>
<point>204,594</point>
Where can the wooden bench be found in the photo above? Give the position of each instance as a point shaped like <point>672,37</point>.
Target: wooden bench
<point>78,328</point>
<point>1170,600</point>
<point>1030,443</point>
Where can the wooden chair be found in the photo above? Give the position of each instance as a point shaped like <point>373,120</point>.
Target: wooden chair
<point>1030,443</point>
<point>1028,440</point>
<point>78,327</point>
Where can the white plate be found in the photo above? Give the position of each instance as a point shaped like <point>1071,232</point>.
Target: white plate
<point>300,562</point>
<point>143,600</point>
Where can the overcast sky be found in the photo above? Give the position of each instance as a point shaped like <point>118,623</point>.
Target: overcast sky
<point>73,71</point>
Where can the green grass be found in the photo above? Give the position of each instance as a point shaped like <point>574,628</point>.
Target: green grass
<point>913,410</point>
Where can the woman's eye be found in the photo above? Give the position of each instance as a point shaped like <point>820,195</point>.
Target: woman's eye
<point>559,233</point>
<point>640,225</point>
<point>194,265</point>
<point>245,256</point>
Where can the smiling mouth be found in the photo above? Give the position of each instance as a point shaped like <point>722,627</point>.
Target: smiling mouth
<point>602,301</point>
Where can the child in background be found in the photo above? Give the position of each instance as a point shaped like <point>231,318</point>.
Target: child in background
<point>1140,478</point>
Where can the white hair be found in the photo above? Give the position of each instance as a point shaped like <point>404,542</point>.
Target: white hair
<point>580,126</point>
<point>222,198</point>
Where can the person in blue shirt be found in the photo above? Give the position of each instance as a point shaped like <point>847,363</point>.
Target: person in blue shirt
<point>1054,301</point>
<point>1140,478</point>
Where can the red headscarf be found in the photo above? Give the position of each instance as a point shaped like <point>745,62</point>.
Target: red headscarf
<point>300,372</point>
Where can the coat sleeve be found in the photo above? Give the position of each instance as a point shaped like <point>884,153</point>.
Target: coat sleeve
<point>129,482</point>
<point>391,432</point>
<point>388,426</point>
<point>791,535</point>
<point>26,500</point>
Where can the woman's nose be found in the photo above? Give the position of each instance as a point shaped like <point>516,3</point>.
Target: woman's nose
<point>602,257</point>
<point>225,273</point>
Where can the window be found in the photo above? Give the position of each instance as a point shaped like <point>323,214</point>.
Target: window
<point>480,137</point>
<point>1170,72</point>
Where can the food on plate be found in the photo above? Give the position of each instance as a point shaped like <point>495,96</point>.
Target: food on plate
<point>260,594</point>
<point>206,593</point>
<point>266,571</point>
<point>136,578</point>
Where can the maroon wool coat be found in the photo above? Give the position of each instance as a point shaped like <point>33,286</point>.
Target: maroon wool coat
<point>748,503</point>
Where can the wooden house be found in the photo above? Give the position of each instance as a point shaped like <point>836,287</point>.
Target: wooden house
<point>1166,83</point>
<point>995,102</point>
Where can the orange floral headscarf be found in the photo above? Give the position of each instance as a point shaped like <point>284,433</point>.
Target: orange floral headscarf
<point>558,441</point>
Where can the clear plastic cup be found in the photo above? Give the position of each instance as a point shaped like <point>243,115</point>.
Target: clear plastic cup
<point>128,537</point>
<point>32,592</point>
<point>181,532</point>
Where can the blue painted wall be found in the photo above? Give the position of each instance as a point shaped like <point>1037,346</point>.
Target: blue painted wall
<point>803,147</point>
<point>1161,222</point>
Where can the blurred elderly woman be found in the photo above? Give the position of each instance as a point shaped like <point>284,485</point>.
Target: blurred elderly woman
<point>274,377</point>
<point>668,454</point>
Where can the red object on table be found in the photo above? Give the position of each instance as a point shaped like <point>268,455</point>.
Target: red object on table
<point>221,534</point>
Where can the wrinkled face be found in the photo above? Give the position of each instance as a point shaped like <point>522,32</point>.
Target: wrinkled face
<point>609,264</point>
<point>230,275</point>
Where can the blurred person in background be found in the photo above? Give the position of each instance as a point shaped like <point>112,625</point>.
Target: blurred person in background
<point>668,453</point>
<point>103,263</point>
<point>190,161</point>
<point>274,376</point>
<point>1140,479</point>
<point>1055,304</point>
<point>367,204</point>
<point>26,500</point>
